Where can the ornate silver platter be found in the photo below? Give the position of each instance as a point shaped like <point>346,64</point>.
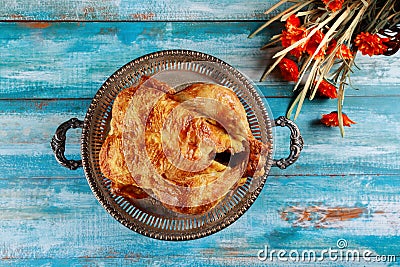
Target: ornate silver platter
<point>178,68</point>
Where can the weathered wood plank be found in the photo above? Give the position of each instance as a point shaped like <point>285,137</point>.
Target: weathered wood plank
<point>370,146</point>
<point>113,10</point>
<point>188,261</point>
<point>60,219</point>
<point>72,60</point>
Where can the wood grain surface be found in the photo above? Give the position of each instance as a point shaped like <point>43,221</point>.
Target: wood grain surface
<point>125,10</point>
<point>54,56</point>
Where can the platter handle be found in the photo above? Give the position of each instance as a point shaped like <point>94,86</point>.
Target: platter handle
<point>296,143</point>
<point>58,143</point>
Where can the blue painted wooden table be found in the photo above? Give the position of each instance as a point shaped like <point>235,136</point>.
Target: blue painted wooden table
<point>343,194</point>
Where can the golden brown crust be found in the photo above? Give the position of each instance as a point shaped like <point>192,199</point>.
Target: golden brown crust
<point>113,166</point>
<point>177,140</point>
<point>257,158</point>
